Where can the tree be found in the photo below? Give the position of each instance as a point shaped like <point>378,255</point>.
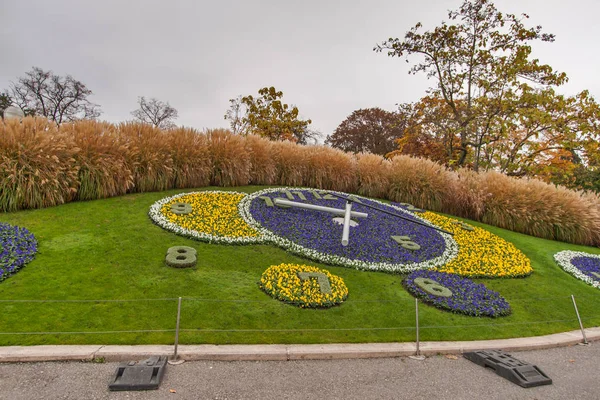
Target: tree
<point>370,129</point>
<point>430,131</point>
<point>235,115</point>
<point>269,117</point>
<point>54,97</point>
<point>5,101</point>
<point>482,69</point>
<point>155,112</point>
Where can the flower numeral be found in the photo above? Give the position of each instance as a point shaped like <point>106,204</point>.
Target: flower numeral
<point>463,225</point>
<point>181,257</point>
<point>322,279</point>
<point>432,287</point>
<point>597,275</point>
<point>412,208</point>
<point>181,208</point>
<point>406,242</point>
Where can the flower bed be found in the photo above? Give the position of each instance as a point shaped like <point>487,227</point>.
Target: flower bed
<point>214,217</point>
<point>303,286</point>
<point>481,253</point>
<point>314,234</point>
<point>18,247</point>
<point>583,266</point>
<point>462,295</point>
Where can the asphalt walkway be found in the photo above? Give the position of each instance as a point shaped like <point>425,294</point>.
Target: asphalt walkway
<point>573,369</point>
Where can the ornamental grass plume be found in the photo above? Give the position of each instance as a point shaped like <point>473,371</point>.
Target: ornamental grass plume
<point>467,196</point>
<point>291,161</point>
<point>230,159</point>
<point>37,165</point>
<point>539,209</point>
<point>263,170</point>
<point>147,155</point>
<point>373,175</point>
<point>418,181</point>
<point>330,169</point>
<point>103,168</point>
<point>190,154</point>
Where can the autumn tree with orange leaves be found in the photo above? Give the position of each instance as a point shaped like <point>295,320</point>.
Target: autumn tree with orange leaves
<point>492,105</point>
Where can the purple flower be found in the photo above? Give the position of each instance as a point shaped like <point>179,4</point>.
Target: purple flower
<point>457,294</point>
<point>370,241</point>
<point>18,247</point>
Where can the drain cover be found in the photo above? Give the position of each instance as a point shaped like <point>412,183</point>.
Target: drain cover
<point>142,375</point>
<point>505,365</point>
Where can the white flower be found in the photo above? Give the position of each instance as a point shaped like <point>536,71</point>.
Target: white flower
<point>564,260</point>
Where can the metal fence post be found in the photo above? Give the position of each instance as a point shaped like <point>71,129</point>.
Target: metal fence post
<point>174,359</point>
<point>579,319</point>
<point>418,355</point>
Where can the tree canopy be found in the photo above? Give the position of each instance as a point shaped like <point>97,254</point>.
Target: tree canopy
<point>370,130</point>
<point>492,105</point>
<point>155,112</point>
<point>267,116</point>
<point>55,97</point>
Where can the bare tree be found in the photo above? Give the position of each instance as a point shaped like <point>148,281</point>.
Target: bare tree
<point>52,96</point>
<point>155,112</point>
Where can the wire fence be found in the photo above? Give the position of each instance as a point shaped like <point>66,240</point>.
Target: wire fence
<point>206,320</point>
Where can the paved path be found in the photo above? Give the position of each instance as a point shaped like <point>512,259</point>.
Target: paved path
<point>574,371</point>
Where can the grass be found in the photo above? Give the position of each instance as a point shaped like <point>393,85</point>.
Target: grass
<point>91,252</point>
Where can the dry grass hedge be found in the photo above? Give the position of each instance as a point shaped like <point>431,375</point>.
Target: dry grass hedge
<point>103,168</point>
<point>37,165</point>
<point>42,165</point>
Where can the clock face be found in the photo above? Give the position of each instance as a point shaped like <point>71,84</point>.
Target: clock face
<point>377,241</point>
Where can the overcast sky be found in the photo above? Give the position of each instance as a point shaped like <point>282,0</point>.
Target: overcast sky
<point>198,54</point>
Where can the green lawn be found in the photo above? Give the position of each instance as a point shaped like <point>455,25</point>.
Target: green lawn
<point>110,250</point>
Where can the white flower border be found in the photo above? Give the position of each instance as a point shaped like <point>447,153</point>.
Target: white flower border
<point>161,220</point>
<point>449,254</point>
<point>564,260</point>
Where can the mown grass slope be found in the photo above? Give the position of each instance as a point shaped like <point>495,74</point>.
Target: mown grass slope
<point>96,252</point>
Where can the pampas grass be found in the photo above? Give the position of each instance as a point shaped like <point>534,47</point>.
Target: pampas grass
<point>417,181</point>
<point>331,169</point>
<point>147,155</point>
<point>103,168</point>
<point>190,153</point>
<point>291,163</point>
<point>263,170</point>
<point>373,174</point>
<point>37,165</point>
<point>42,165</point>
<point>230,159</point>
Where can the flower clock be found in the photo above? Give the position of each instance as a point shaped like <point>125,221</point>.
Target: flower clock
<point>583,266</point>
<point>347,230</point>
<point>17,247</point>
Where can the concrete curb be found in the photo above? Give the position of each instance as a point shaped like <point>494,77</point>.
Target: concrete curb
<point>283,352</point>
